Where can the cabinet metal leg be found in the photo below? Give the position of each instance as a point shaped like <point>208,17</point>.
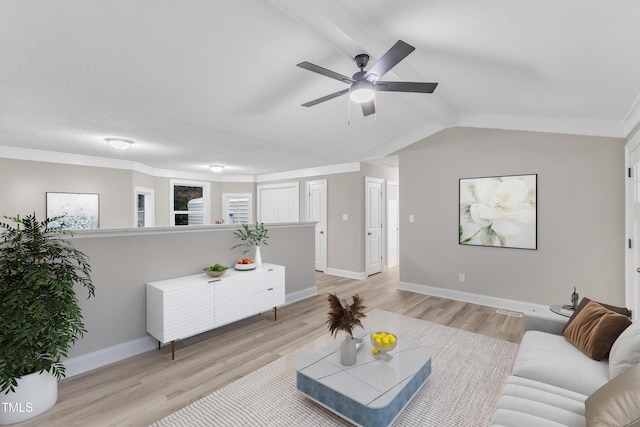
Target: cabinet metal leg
<point>159,344</point>
<point>173,350</point>
<point>275,314</point>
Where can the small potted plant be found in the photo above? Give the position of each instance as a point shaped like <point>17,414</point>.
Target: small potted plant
<point>41,317</point>
<point>345,316</point>
<point>252,238</point>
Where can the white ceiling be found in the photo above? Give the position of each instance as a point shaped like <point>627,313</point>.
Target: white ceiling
<point>202,81</point>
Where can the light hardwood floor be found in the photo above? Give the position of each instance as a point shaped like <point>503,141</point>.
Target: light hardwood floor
<point>145,388</point>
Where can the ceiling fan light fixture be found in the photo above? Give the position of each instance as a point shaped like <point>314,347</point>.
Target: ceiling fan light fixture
<point>362,91</point>
<point>119,143</point>
<point>216,168</point>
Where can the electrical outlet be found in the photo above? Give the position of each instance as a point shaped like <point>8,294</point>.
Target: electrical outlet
<point>461,278</point>
<point>412,218</point>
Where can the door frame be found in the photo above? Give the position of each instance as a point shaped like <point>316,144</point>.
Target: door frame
<point>325,231</point>
<point>382,248</point>
<point>389,226</point>
<point>632,293</point>
<point>149,205</point>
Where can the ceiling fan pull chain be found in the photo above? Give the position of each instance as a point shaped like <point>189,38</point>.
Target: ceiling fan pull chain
<point>349,108</point>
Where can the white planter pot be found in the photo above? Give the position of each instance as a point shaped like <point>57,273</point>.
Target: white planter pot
<point>257,260</point>
<point>34,394</point>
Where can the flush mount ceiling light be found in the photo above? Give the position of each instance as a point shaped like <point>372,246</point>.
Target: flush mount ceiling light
<point>119,143</point>
<point>216,168</point>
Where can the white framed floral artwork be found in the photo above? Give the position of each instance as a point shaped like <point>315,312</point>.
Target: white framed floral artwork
<point>499,211</point>
<point>77,210</point>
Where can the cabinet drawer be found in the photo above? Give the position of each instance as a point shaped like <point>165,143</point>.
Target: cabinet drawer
<point>268,298</point>
<point>268,278</point>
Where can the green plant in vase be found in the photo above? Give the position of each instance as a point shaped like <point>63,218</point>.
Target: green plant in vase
<point>41,317</point>
<point>252,237</point>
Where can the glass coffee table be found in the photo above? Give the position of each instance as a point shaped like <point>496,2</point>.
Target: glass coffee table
<point>370,393</point>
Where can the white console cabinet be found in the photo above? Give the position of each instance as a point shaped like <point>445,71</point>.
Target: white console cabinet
<point>185,306</point>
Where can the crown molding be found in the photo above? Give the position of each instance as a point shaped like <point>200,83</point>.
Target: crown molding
<point>632,119</point>
<point>309,172</point>
<point>563,125</point>
<point>18,153</point>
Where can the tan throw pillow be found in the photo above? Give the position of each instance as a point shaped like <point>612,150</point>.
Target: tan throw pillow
<point>584,301</point>
<point>617,403</point>
<point>595,329</point>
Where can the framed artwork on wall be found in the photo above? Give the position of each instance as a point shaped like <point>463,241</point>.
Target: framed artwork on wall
<point>78,211</point>
<point>499,211</point>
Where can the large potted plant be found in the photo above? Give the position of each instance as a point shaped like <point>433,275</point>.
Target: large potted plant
<point>41,317</point>
<point>252,238</point>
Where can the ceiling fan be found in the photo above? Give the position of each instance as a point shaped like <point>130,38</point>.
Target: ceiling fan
<point>364,84</point>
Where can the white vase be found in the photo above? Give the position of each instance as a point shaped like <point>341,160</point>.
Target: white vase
<point>348,351</point>
<point>34,394</point>
<point>257,260</point>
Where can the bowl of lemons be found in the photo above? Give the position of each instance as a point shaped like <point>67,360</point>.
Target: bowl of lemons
<point>382,343</point>
<point>216,270</point>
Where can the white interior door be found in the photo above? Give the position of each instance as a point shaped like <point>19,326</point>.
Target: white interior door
<point>317,211</point>
<point>393,224</point>
<point>278,203</point>
<point>632,289</point>
<point>373,225</point>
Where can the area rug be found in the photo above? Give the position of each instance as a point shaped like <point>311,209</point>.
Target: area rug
<point>468,371</point>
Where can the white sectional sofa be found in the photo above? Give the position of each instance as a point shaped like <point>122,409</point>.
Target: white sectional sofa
<point>554,383</point>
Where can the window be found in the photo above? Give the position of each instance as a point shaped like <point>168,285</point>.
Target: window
<point>236,208</point>
<point>141,218</point>
<point>189,203</point>
<point>143,215</point>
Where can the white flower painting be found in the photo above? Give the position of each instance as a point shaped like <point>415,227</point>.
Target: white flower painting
<point>499,211</point>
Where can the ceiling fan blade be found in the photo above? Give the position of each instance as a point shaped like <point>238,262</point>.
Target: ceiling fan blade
<point>320,70</point>
<point>406,87</point>
<point>368,108</point>
<point>325,98</point>
<point>397,53</point>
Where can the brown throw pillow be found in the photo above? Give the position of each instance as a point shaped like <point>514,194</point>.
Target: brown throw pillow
<point>585,301</point>
<point>595,329</point>
<point>617,403</point>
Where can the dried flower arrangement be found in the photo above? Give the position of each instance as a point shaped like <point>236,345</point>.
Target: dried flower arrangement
<point>344,316</point>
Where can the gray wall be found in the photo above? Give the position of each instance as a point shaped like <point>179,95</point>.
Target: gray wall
<point>124,262</point>
<point>345,195</point>
<point>581,240</point>
<point>24,184</point>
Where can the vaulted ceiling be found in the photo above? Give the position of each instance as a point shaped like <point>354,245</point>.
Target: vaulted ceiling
<point>201,82</point>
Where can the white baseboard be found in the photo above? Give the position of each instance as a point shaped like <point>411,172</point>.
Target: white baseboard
<point>105,356</point>
<point>347,274</point>
<point>300,295</point>
<point>504,303</point>
<point>87,362</point>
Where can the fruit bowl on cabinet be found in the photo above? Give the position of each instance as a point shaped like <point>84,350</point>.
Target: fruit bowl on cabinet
<point>245,266</point>
<point>214,273</point>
